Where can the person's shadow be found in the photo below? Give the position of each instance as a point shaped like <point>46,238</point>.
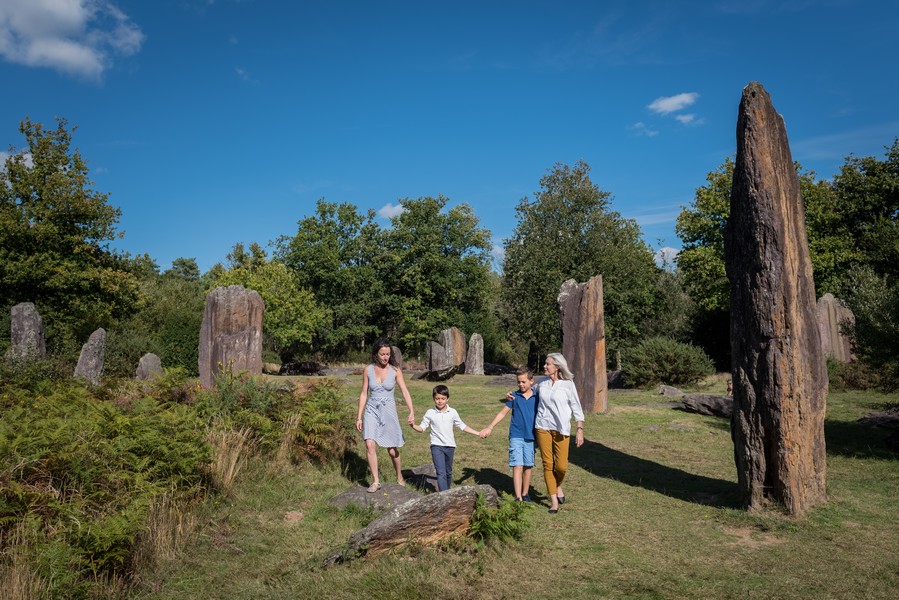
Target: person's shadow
<point>501,482</point>
<point>602,461</point>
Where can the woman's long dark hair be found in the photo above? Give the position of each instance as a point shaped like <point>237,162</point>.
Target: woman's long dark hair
<point>382,343</point>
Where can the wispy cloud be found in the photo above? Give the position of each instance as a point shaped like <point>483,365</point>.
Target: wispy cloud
<point>244,75</point>
<point>498,253</point>
<point>76,37</point>
<point>640,128</point>
<point>388,211</point>
<point>4,156</point>
<point>608,42</point>
<point>863,141</point>
<point>689,119</point>
<point>669,104</point>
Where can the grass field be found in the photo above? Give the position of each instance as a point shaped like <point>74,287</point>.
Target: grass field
<point>652,513</point>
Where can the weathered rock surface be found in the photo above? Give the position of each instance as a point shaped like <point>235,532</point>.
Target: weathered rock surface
<point>474,360</point>
<point>389,496</point>
<point>397,357</point>
<point>26,333</point>
<point>148,366</point>
<point>667,390</point>
<point>834,319</point>
<point>93,354</point>
<point>708,404</point>
<point>231,333</point>
<point>425,520</point>
<point>302,367</point>
<point>446,357</point>
<point>779,370</point>
<point>584,340</point>
<point>423,477</point>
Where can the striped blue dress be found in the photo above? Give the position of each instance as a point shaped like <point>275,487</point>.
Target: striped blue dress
<point>380,421</point>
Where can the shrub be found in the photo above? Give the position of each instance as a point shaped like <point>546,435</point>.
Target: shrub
<point>507,521</point>
<point>321,430</point>
<point>664,360</point>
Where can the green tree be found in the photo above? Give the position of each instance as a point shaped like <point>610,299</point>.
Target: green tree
<point>569,231</point>
<point>336,253</point>
<point>292,314</point>
<point>437,265</point>
<point>55,232</point>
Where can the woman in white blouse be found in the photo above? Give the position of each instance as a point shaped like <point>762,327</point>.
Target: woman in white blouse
<point>557,403</point>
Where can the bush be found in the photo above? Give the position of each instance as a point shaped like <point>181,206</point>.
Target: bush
<point>664,360</point>
<point>505,522</point>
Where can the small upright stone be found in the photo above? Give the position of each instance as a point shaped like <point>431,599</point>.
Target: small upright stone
<point>149,366</point>
<point>231,333</point>
<point>397,357</point>
<point>26,333</point>
<point>834,319</point>
<point>93,354</point>
<point>474,360</point>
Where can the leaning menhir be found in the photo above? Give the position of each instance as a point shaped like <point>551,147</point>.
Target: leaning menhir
<point>779,370</point>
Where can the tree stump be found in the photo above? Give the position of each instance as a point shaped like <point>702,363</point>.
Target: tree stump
<point>779,369</point>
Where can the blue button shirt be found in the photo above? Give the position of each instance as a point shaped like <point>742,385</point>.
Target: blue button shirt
<point>524,414</point>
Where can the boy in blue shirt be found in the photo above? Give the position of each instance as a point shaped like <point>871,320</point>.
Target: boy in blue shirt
<point>523,407</point>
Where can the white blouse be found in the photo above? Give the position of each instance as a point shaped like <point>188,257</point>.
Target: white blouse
<point>557,403</point>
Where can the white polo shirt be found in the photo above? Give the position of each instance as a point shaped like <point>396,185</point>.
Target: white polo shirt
<point>441,424</point>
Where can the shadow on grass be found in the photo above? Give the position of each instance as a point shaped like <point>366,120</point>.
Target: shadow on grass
<point>354,467</point>
<point>602,461</point>
<point>857,440</point>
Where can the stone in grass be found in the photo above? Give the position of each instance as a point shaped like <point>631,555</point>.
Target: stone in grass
<point>389,496</point>
<point>423,477</point>
<point>708,404</point>
<point>425,520</point>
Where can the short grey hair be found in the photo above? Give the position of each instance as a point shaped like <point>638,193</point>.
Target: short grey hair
<point>562,364</point>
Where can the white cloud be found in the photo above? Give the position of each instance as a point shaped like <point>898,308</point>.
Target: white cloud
<point>670,104</point>
<point>5,155</point>
<point>77,37</point>
<point>666,256</point>
<point>642,129</point>
<point>388,211</point>
<point>685,119</point>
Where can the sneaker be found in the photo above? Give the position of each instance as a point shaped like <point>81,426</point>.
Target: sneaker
<point>526,498</point>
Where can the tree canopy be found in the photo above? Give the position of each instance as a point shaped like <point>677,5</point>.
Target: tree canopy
<point>569,231</point>
<point>55,232</point>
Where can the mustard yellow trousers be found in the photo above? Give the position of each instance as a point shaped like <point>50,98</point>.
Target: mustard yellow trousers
<point>554,452</point>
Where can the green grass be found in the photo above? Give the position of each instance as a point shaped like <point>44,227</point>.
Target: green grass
<point>652,513</point>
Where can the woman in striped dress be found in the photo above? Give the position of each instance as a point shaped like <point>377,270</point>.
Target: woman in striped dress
<point>377,418</point>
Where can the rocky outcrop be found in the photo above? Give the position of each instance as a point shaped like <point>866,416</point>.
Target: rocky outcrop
<point>93,354</point>
<point>584,340</point>
<point>446,357</point>
<point>708,404</point>
<point>26,333</point>
<point>474,359</point>
<point>231,333</point>
<point>389,496</point>
<point>835,320</point>
<point>423,521</point>
<point>779,369</point>
<point>148,367</point>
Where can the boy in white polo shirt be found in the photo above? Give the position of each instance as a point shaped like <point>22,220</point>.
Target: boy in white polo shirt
<point>441,419</point>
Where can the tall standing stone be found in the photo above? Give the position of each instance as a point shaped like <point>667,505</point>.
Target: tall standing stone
<point>446,357</point>
<point>26,333</point>
<point>584,340</point>
<point>779,369</point>
<point>453,342</point>
<point>397,357</point>
<point>149,366</point>
<point>231,333</point>
<point>833,319</point>
<point>474,359</point>
<point>93,354</point>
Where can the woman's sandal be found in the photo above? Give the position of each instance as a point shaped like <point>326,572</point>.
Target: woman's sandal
<point>373,488</point>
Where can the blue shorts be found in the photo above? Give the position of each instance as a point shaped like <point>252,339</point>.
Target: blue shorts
<point>521,452</point>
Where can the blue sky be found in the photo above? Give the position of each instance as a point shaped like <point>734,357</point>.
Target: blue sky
<point>216,122</point>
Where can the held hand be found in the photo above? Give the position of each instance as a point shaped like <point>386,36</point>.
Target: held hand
<point>411,419</point>
<point>485,432</point>
<point>509,395</point>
